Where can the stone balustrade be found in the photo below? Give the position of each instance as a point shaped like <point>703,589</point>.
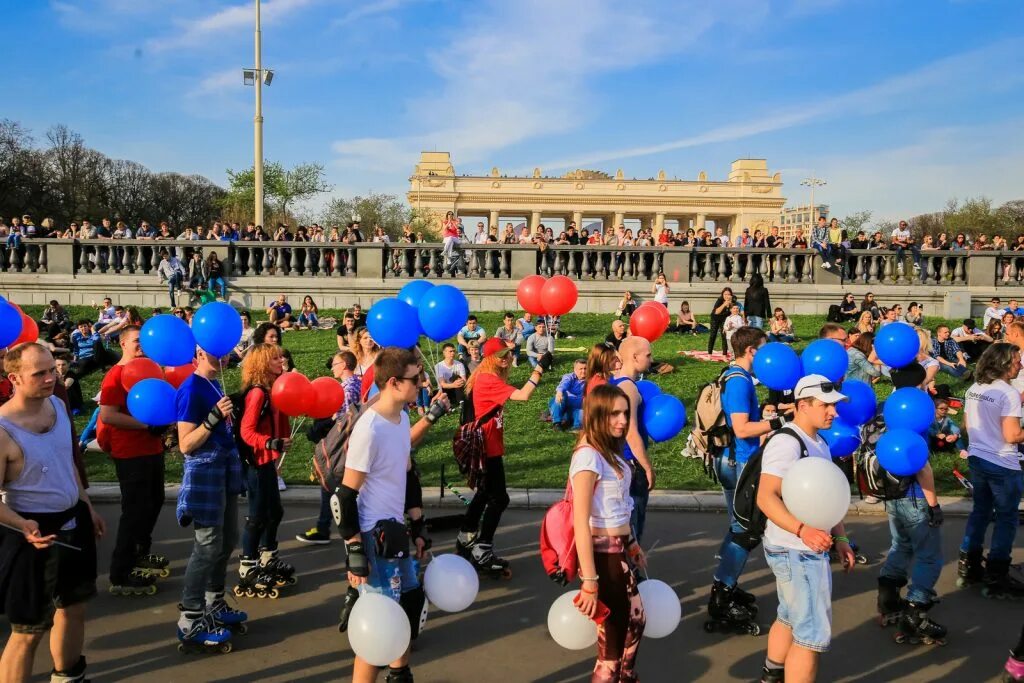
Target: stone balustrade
<point>374,261</point>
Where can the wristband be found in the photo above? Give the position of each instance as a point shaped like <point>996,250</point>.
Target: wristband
<point>589,578</point>
<point>530,381</point>
<point>799,529</point>
<point>841,539</point>
<point>584,590</point>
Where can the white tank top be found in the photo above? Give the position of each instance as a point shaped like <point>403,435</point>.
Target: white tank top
<point>612,504</point>
<point>47,482</point>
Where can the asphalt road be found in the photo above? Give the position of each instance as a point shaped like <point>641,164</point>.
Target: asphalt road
<point>503,636</point>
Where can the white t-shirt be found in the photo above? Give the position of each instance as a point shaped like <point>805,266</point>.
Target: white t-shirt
<point>732,323</point>
<point>779,455</point>
<point>992,313</point>
<point>612,505</point>
<point>661,294</point>
<point>447,374</point>
<point>380,449</point>
<point>986,405</point>
<point>901,235</point>
<point>961,332</point>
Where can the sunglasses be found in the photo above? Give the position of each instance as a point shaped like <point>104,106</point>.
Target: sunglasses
<point>827,387</point>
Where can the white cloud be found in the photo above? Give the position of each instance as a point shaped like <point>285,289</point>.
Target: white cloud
<point>367,9</point>
<point>193,32</point>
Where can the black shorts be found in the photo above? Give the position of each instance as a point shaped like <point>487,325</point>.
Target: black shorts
<point>36,583</point>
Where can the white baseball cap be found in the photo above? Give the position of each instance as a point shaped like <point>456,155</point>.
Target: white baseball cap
<point>819,387</point>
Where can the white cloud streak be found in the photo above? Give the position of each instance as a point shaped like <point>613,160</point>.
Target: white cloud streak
<point>194,32</point>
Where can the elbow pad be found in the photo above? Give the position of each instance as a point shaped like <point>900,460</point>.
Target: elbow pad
<point>413,490</point>
<point>346,512</point>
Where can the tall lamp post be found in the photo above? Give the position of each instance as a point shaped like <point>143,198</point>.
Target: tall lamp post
<point>256,77</point>
<point>812,183</point>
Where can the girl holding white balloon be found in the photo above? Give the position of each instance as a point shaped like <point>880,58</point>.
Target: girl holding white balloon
<point>605,546</point>
<point>805,499</point>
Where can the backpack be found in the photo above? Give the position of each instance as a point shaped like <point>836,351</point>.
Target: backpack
<point>710,435</point>
<point>468,443</point>
<point>329,452</point>
<point>748,515</point>
<point>871,478</point>
<point>558,541</point>
<point>835,314</point>
<point>245,451</point>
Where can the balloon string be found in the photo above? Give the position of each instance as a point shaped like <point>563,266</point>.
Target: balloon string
<point>648,556</point>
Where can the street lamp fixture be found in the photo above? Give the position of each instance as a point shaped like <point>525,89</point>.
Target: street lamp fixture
<point>249,76</point>
<point>813,182</point>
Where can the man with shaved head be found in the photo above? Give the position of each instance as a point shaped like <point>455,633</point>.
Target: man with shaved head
<point>635,356</point>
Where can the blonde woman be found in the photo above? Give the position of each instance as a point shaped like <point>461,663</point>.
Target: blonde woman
<point>866,322</point>
<point>366,351</point>
<point>660,289</point>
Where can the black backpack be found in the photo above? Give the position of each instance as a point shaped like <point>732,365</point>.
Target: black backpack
<point>835,314</point>
<point>871,478</point>
<point>245,451</point>
<point>748,515</point>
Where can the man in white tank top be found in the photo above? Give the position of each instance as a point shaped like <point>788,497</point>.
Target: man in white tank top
<point>44,498</point>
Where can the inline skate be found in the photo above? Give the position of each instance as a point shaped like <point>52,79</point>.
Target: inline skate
<point>483,559</point>
<point>915,626</point>
<point>198,632</point>
<point>153,564</point>
<point>75,674</point>
<point>138,582</point>
<point>1000,584</point>
<point>271,565</point>
<point>224,615</point>
<point>969,569</point>
<point>890,604</point>
<point>726,615</point>
<point>253,582</point>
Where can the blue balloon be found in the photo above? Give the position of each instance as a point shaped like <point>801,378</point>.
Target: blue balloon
<point>862,404</point>
<point>909,408</point>
<point>412,292</point>
<point>902,452</point>
<point>152,402</point>
<point>217,328</point>
<point>777,366</point>
<point>897,344</point>
<point>168,340</point>
<point>390,323</point>
<point>10,324</point>
<point>842,439</point>
<point>664,417</point>
<point>824,357</point>
<point>648,389</point>
<point>443,311</point>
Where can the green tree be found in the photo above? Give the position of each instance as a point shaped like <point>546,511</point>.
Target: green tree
<point>385,210</point>
<point>855,222</point>
<point>281,187</point>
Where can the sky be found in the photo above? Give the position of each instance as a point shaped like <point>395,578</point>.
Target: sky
<point>898,106</point>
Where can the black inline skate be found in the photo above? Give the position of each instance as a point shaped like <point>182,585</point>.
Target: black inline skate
<point>154,565</point>
<point>969,569</point>
<point>271,565</point>
<point>224,615</point>
<point>772,675</point>
<point>745,599</point>
<point>403,675</point>
<point>890,603</point>
<point>915,626</point>
<point>138,582</point>
<point>1000,584</point>
<point>483,559</point>
<point>198,632</point>
<point>253,582</point>
<point>75,674</point>
<point>726,615</point>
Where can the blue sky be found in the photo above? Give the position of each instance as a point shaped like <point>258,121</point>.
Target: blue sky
<point>898,105</point>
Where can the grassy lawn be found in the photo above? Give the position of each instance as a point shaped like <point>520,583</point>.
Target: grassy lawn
<point>537,455</point>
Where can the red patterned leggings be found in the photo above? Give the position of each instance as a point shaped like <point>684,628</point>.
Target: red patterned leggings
<point>619,637</point>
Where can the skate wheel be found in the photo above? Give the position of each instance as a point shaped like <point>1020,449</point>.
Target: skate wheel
<point>709,627</point>
<point>241,629</point>
<point>150,590</point>
<point>900,638</point>
<point>506,574</point>
<point>861,559</point>
<point>291,581</point>
<point>181,648</point>
<point>754,629</point>
<point>225,647</point>
<point>113,590</point>
<point>273,594</point>
<point>250,593</point>
<point>164,573</point>
<point>237,590</point>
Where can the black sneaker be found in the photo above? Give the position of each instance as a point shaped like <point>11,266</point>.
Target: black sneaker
<point>313,537</point>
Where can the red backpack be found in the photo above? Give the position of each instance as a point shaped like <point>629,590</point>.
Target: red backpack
<point>558,541</point>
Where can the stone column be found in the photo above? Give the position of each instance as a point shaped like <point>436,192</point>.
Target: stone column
<point>577,218</point>
<point>659,224</point>
<point>645,222</point>
<point>534,221</point>
<point>493,222</point>
<point>698,223</point>
<point>618,219</point>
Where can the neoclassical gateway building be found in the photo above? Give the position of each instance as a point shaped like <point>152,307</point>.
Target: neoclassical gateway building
<point>751,197</point>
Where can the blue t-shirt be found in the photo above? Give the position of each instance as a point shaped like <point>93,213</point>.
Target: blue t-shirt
<point>627,453</point>
<point>195,398</point>
<point>739,396</point>
<point>282,309</point>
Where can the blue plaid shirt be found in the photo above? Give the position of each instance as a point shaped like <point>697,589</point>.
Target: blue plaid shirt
<point>213,475</point>
<point>947,349</point>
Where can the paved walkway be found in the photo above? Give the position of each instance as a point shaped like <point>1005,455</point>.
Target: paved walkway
<point>503,636</point>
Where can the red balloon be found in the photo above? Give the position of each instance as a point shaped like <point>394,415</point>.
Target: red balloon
<point>139,369</point>
<point>327,398</point>
<point>530,294</point>
<point>29,330</point>
<point>647,323</point>
<point>660,309</point>
<point>176,375</point>
<point>559,295</point>
<point>291,394</point>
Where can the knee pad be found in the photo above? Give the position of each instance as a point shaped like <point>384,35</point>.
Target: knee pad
<point>414,604</point>
<point>413,490</point>
<point>255,524</point>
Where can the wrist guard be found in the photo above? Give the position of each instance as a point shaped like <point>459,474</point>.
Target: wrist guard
<point>355,559</point>
<point>418,529</point>
<point>935,516</point>
<point>413,489</point>
<point>275,445</point>
<point>213,419</point>
<point>776,423</point>
<point>436,412</point>
<point>545,361</point>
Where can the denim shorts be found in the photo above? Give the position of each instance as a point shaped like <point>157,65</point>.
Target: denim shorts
<point>804,583</point>
<point>390,577</point>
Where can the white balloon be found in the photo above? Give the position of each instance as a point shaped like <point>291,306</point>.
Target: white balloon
<point>451,583</point>
<point>568,626</point>
<point>661,607</point>
<point>816,492</point>
<point>378,629</point>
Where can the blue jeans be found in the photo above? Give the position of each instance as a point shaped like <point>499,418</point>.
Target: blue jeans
<point>309,319</point>
<point>755,321</point>
<point>785,338</point>
<point>208,565</point>
<point>913,542</point>
<point>996,489</point>
<point>639,493</point>
<point>323,521</point>
<point>957,371</point>
<point>733,556</point>
<point>265,510</point>
<point>825,250</point>
<point>569,407</point>
<point>218,283</point>
<point>390,577</point>
<point>803,581</point>
<point>173,284</point>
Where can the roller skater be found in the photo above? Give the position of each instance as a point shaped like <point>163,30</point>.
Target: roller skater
<point>154,565</point>
<point>890,603</point>
<point>970,569</point>
<point>138,582</point>
<point>271,565</point>
<point>1013,671</point>
<point>253,582</point>
<point>198,632</point>
<point>726,614</point>
<point>487,391</point>
<point>915,626</point>
<point>224,615</point>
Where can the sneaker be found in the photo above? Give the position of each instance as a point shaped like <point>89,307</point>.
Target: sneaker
<point>871,500</point>
<point>313,537</point>
<point>917,268</point>
<point>280,483</point>
<point>826,265</point>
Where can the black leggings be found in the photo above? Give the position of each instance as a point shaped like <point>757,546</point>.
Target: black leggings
<point>142,496</point>
<point>717,329</point>
<point>265,510</point>
<point>491,499</point>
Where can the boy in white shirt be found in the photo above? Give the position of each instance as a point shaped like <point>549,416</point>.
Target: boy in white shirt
<point>732,323</point>
<point>993,312</point>
<point>796,552</point>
